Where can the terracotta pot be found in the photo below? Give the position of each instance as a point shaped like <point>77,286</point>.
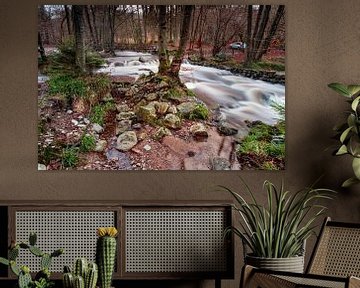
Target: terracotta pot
<point>291,264</point>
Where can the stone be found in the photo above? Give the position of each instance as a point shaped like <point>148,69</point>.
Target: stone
<point>126,141</point>
<point>162,108</point>
<point>122,108</point>
<point>75,122</point>
<point>141,136</point>
<point>97,128</point>
<point>161,132</point>
<point>142,59</point>
<point>125,115</point>
<point>100,146</point>
<point>69,111</point>
<point>108,97</point>
<point>147,147</point>
<point>146,113</point>
<point>86,121</point>
<point>151,96</point>
<point>198,131</point>
<point>123,125</point>
<point>41,167</point>
<point>172,121</point>
<point>136,126</point>
<point>186,108</point>
<point>172,109</point>
<point>119,64</point>
<point>226,129</point>
<point>219,163</point>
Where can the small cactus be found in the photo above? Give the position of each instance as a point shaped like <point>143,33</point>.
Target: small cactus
<point>79,282</point>
<point>23,273</point>
<point>84,274</point>
<point>106,254</point>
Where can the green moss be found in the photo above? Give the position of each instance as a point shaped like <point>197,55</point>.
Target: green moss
<point>267,65</point>
<point>200,112</point>
<point>99,111</point>
<point>261,142</point>
<point>173,93</point>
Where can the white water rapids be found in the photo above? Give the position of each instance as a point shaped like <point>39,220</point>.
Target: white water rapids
<point>238,98</point>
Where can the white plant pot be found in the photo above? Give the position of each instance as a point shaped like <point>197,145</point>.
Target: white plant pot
<point>291,264</point>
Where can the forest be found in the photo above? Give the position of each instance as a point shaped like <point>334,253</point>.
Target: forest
<point>161,87</point>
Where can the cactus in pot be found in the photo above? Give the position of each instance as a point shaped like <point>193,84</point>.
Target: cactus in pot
<point>85,275</point>
<point>106,254</point>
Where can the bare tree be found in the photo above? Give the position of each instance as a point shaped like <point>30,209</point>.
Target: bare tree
<point>184,38</point>
<point>163,55</point>
<point>248,33</point>
<point>274,26</point>
<point>67,17</point>
<point>41,48</point>
<point>79,36</point>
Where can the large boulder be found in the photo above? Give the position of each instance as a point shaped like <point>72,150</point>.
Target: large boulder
<point>162,108</point>
<point>123,125</point>
<point>186,108</point>
<point>172,121</point>
<point>161,132</point>
<point>97,128</point>
<point>125,115</point>
<point>198,130</point>
<point>226,129</point>
<point>146,113</point>
<point>126,141</point>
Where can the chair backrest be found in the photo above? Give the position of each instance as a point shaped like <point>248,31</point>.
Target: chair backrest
<point>337,251</point>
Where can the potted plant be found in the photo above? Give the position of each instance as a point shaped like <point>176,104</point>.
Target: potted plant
<point>276,233</point>
<point>349,132</point>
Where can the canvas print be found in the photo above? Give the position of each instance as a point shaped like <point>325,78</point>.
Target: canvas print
<point>161,87</point>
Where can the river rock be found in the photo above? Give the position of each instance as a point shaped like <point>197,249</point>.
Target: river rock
<point>146,113</point>
<point>126,141</point>
<point>162,108</point>
<point>161,132</point>
<point>172,109</point>
<point>122,108</point>
<point>147,147</point>
<point>41,167</point>
<point>151,96</point>
<point>123,125</point>
<point>97,128</point>
<point>125,115</point>
<point>186,108</point>
<point>100,146</point>
<point>226,129</point>
<point>219,163</point>
<point>141,136</point>
<point>108,97</point>
<point>172,121</point>
<point>75,122</point>
<point>198,130</point>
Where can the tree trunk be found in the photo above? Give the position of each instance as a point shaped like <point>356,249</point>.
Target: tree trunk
<point>265,45</point>
<point>41,48</point>
<point>248,35</point>
<point>79,37</point>
<point>67,16</point>
<point>163,55</point>
<point>184,38</point>
<point>260,34</point>
<point>92,36</point>
<point>96,34</point>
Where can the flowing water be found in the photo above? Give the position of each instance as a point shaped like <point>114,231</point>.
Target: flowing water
<point>238,98</point>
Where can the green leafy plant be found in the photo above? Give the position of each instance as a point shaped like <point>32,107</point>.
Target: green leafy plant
<point>97,114</point>
<point>349,132</point>
<point>42,278</point>
<point>279,229</point>
<point>70,156</point>
<point>200,112</point>
<point>87,143</point>
<point>66,85</point>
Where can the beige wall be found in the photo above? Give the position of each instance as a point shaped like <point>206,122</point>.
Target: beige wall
<point>323,46</point>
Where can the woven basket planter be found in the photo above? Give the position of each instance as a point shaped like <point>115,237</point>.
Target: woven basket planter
<point>291,264</point>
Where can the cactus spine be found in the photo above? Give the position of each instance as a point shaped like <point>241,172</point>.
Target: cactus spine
<point>79,282</point>
<point>106,254</point>
<point>84,276</point>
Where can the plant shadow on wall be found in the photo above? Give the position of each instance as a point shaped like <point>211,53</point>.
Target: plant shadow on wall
<point>275,233</point>
<point>121,87</point>
<point>349,132</point>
